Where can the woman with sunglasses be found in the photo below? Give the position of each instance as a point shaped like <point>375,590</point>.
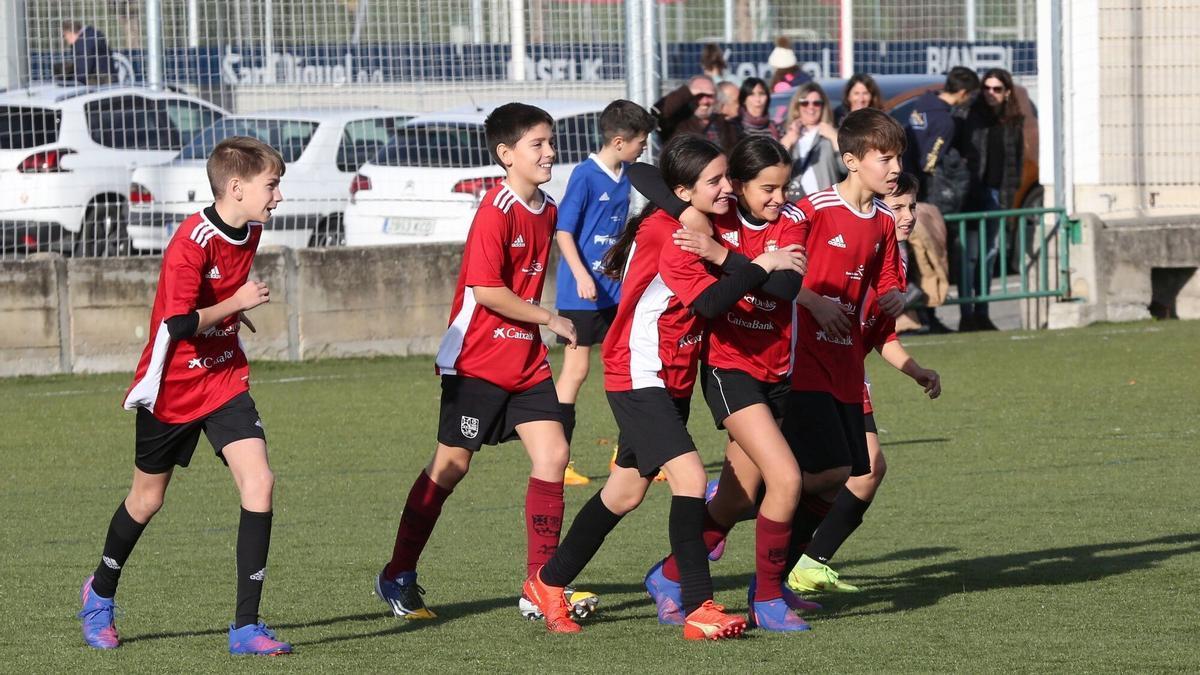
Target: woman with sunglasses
<point>995,128</point>
<point>811,139</point>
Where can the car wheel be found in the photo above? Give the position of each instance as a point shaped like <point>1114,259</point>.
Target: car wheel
<point>103,233</point>
<point>329,232</point>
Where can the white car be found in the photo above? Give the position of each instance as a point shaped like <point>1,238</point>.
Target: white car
<point>67,153</point>
<point>322,149</point>
<point>426,185</point>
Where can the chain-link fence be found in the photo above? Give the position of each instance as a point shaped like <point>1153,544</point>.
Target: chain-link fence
<point>113,104</point>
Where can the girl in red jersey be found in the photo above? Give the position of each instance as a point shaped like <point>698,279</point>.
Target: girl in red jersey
<point>650,359</point>
<point>747,359</point>
<point>812,573</point>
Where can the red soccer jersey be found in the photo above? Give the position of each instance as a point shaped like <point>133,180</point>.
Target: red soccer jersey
<point>508,245</point>
<point>848,252</point>
<point>184,380</point>
<point>655,338</point>
<point>755,335</point>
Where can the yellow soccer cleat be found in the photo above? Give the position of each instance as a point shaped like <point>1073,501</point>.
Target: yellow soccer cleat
<point>573,477</point>
<point>810,576</point>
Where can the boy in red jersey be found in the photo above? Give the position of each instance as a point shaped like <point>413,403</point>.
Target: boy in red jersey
<point>850,239</point>
<point>496,383</point>
<point>193,376</point>
<point>878,333</point>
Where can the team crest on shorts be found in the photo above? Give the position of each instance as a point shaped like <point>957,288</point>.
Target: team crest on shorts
<point>469,426</point>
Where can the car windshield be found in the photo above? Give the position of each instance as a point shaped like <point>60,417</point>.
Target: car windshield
<point>22,127</point>
<point>289,137</point>
<point>441,145</point>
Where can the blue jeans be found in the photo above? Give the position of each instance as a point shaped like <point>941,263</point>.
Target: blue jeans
<point>989,200</point>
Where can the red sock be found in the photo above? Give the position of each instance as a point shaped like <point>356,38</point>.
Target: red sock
<point>543,522</point>
<point>421,513</point>
<point>714,533</point>
<point>770,557</point>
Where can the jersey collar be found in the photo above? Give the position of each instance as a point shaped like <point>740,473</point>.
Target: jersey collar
<point>230,234</point>
<point>517,197</point>
<point>616,177</point>
<point>860,214</point>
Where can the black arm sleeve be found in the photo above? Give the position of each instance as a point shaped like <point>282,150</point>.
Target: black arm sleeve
<point>182,326</point>
<point>783,284</point>
<point>647,180</point>
<point>728,290</point>
<point>780,284</point>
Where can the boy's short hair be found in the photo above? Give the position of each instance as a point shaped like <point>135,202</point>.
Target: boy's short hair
<point>870,129</point>
<point>71,26</point>
<point>241,157</point>
<point>906,184</point>
<point>508,123</point>
<point>961,78</point>
<point>625,119</point>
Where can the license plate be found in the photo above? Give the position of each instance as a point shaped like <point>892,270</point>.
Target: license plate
<point>417,227</point>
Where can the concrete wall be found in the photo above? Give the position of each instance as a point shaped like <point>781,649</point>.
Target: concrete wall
<point>92,315</point>
<point>1112,269</point>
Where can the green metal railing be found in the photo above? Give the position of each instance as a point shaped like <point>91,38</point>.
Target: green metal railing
<point>1037,241</point>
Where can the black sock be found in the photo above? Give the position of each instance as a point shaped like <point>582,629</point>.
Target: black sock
<point>844,517</point>
<point>809,514</point>
<point>254,538</point>
<point>567,410</point>
<point>686,529</point>
<point>123,533</point>
<point>587,533</point>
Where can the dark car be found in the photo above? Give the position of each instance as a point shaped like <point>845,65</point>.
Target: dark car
<point>900,94</point>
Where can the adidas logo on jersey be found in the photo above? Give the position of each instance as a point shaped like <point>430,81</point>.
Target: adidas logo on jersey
<point>259,575</point>
<point>837,241</point>
<point>519,242</point>
<point>213,273</point>
<point>731,237</point>
<point>604,197</point>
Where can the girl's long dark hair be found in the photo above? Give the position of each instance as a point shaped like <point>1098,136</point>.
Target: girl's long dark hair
<point>683,160</point>
<point>1010,112</point>
<point>754,153</point>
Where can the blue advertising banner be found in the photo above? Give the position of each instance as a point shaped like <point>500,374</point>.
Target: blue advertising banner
<point>397,63</point>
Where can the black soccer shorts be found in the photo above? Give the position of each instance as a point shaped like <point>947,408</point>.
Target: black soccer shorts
<point>475,412</point>
<point>160,446</point>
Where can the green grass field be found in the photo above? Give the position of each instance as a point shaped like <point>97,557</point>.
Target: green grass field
<point>1040,516</point>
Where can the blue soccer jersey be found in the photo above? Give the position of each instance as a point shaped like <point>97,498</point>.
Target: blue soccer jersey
<point>593,210</point>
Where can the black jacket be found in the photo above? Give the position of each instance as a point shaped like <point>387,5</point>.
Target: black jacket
<point>980,121</point>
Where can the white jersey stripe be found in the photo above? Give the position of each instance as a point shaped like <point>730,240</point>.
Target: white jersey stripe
<point>452,342</point>
<point>645,364</point>
<point>144,393</point>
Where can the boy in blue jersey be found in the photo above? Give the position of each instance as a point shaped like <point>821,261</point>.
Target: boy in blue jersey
<point>591,215</point>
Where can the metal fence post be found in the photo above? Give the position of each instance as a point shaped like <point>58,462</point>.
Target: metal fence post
<point>517,39</point>
<point>650,51</point>
<point>154,47</point>
<point>635,87</point>
<point>14,55</point>
<point>846,39</point>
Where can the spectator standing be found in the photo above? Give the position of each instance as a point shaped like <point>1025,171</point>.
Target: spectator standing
<point>787,69</point>
<point>713,64</point>
<point>691,109</point>
<point>937,155</point>
<point>753,114</point>
<point>727,101</point>
<point>812,141</point>
<point>861,92</point>
<point>995,127</point>
<point>934,150</point>
<point>91,57</point>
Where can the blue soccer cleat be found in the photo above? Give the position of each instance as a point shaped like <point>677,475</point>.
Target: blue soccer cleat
<point>667,596</point>
<point>256,639</point>
<point>773,615</point>
<point>403,595</point>
<point>97,618</point>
